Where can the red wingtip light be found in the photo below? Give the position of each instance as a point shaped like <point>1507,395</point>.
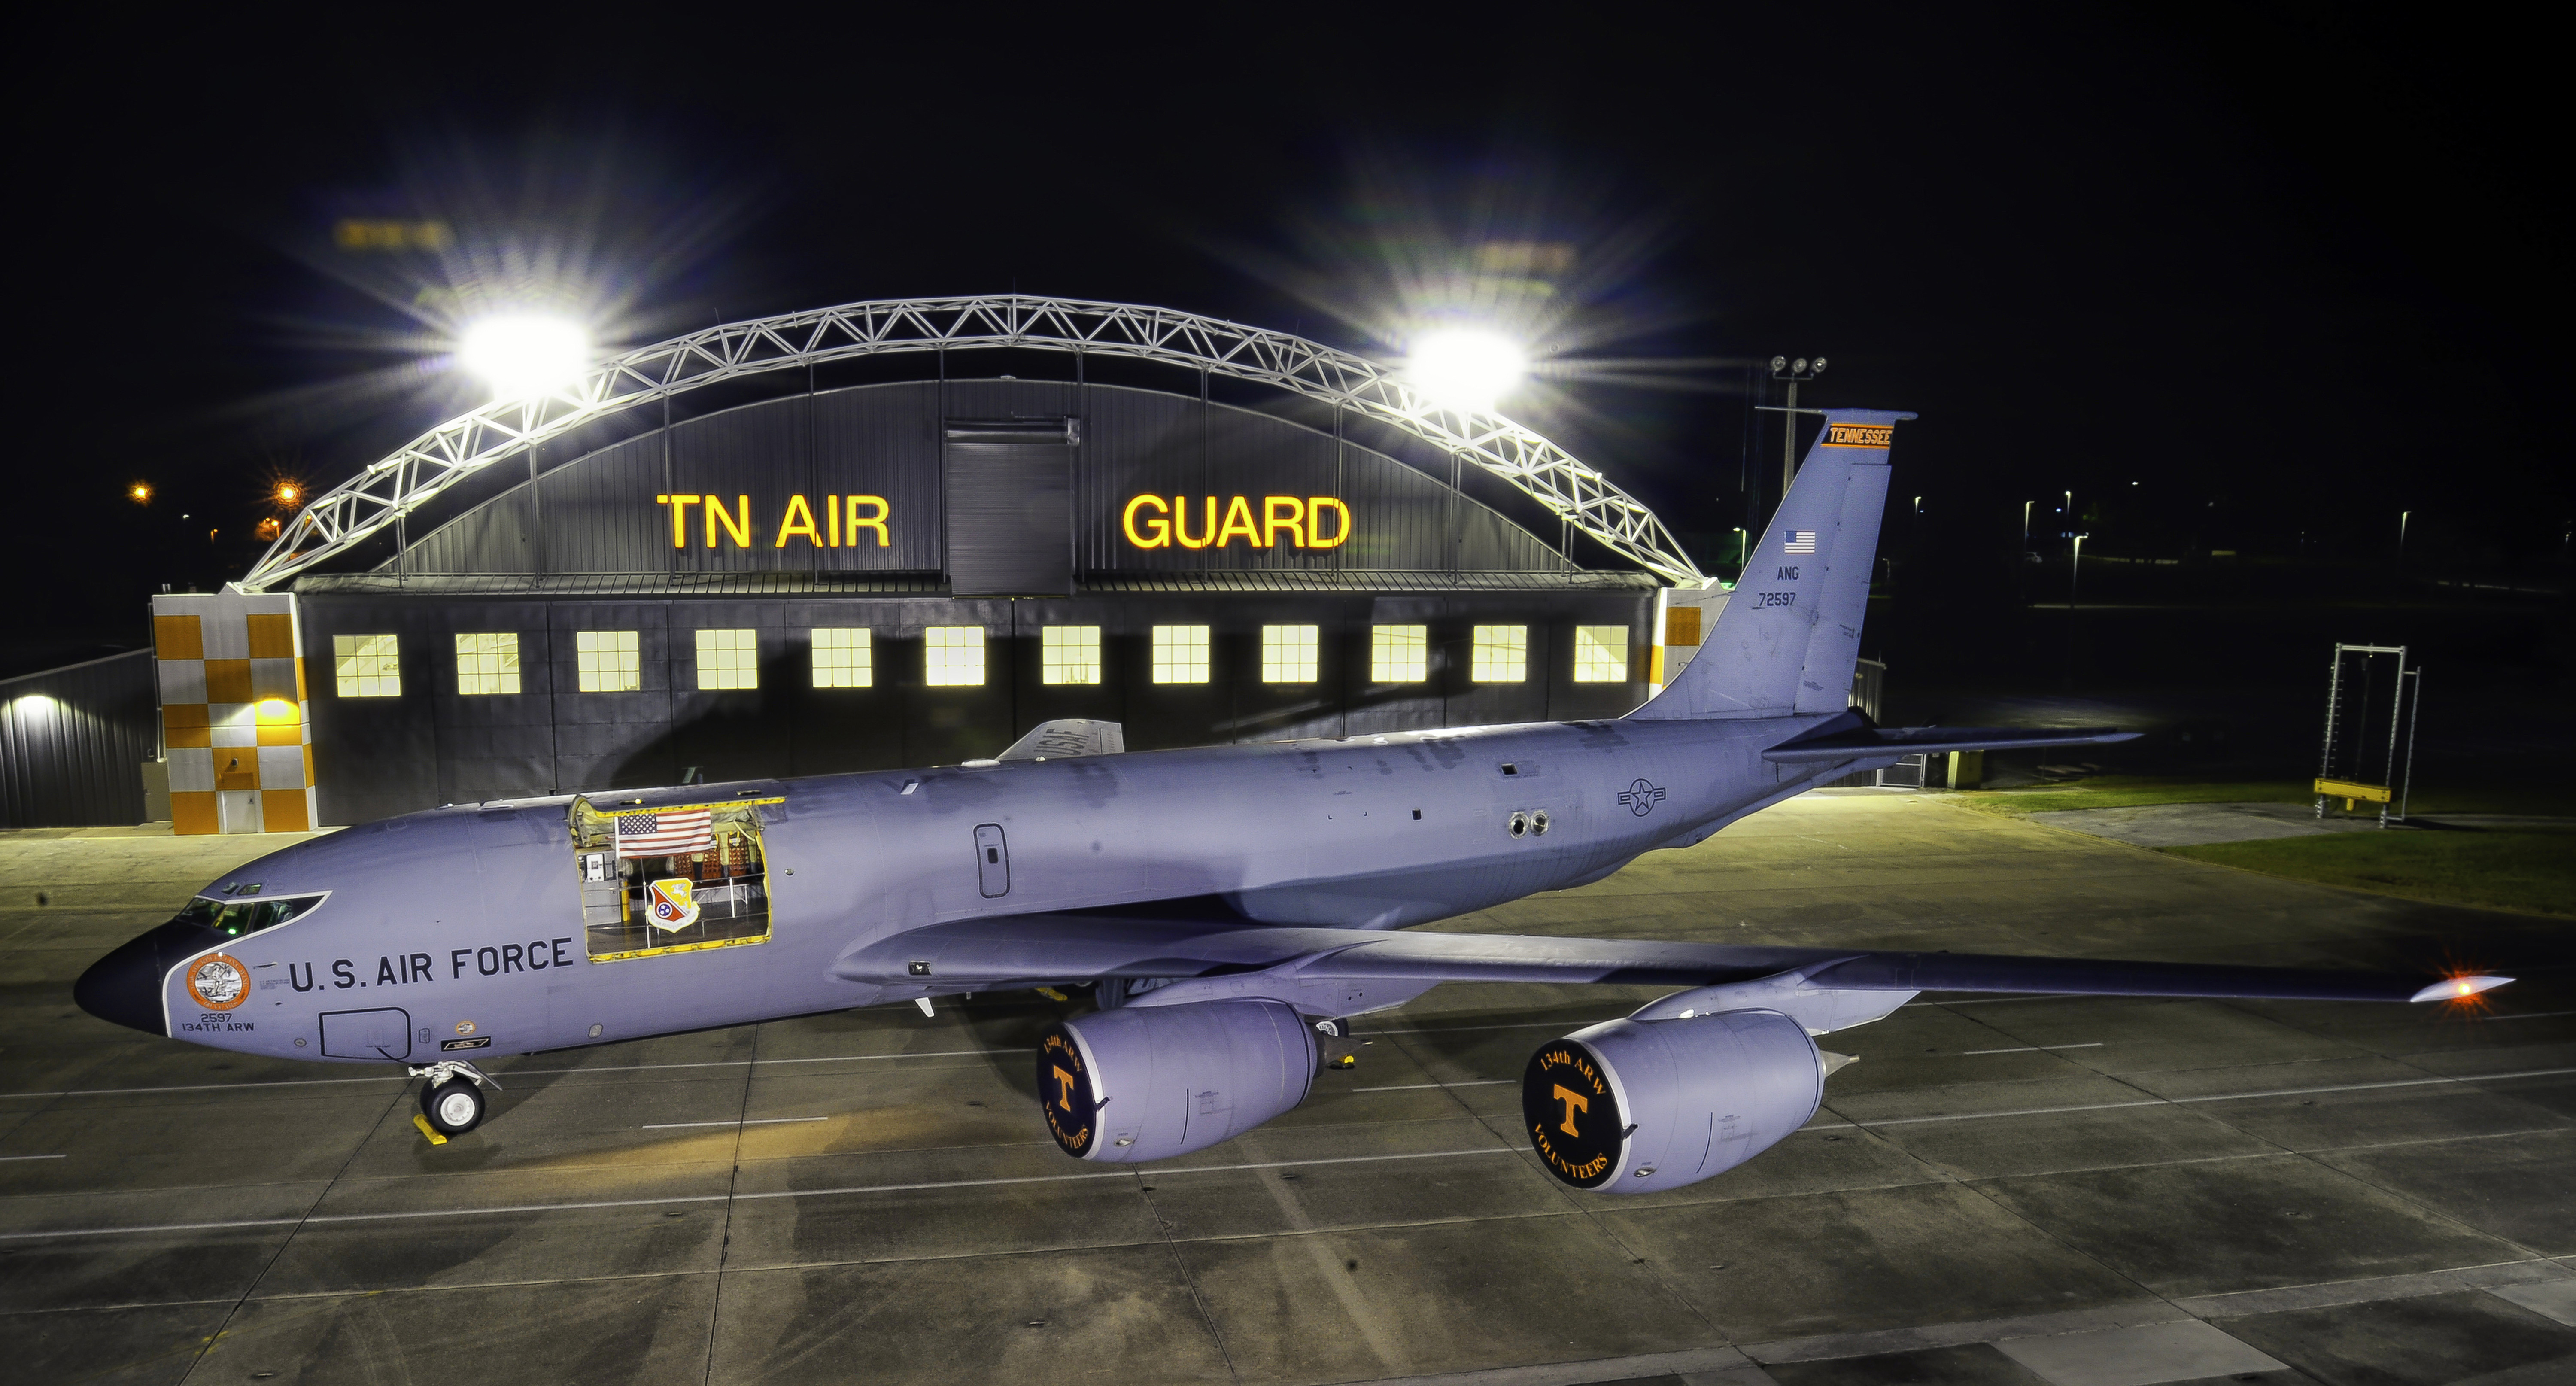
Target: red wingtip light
<point>2458,988</point>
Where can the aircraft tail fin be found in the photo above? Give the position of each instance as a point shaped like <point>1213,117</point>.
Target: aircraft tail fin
<point>1789,637</point>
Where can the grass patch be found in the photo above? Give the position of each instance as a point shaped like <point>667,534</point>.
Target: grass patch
<point>2128,791</point>
<point>2531,871</point>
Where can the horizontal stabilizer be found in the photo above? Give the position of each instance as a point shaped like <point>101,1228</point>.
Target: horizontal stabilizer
<point>1068,736</point>
<point>1872,742</point>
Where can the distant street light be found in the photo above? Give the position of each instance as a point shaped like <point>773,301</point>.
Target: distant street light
<point>2401,534</point>
<point>140,493</point>
<point>2072,571</point>
<point>2025,525</point>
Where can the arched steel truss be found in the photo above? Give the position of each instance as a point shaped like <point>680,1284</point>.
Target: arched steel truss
<point>1576,493</point>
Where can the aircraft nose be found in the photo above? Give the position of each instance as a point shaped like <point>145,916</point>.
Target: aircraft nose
<point>124,987</point>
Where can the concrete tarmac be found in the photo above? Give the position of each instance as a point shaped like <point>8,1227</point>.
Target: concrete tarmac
<point>2078,1192</point>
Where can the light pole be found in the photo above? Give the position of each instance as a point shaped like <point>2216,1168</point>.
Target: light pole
<point>1794,372</point>
<point>2073,570</point>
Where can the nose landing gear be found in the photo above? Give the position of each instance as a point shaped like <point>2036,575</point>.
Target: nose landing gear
<point>452,1101</point>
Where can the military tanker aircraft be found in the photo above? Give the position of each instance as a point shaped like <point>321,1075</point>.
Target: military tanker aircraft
<point>1230,906</point>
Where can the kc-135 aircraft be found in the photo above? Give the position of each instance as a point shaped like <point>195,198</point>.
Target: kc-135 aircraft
<point>1231,906</point>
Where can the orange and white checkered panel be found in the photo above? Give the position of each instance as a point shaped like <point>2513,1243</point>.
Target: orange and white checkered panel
<point>235,720</point>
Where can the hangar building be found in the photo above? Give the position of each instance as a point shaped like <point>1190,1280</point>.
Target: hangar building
<point>904,533</point>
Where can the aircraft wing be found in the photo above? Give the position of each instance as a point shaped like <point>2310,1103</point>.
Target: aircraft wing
<point>1220,959</point>
<point>1905,741</point>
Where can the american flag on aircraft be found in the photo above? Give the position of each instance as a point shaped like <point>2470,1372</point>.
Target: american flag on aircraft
<point>1799,541</point>
<point>665,832</point>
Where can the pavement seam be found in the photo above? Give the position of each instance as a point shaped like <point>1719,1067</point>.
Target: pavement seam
<point>1974,1189</point>
<point>251,1286</point>
<point>1181,1268</point>
<point>1590,1210</point>
<point>733,1184</point>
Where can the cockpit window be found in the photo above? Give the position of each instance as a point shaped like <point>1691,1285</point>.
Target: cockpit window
<point>234,918</point>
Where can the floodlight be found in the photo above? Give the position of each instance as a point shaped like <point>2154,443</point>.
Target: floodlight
<point>524,354</point>
<point>1779,363</point>
<point>1799,366</point>
<point>1466,367</point>
<point>1817,366</point>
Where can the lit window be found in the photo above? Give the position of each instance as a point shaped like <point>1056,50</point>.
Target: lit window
<point>1288,654</point>
<point>1180,654</point>
<point>487,662</point>
<point>609,662</point>
<point>1600,654</point>
<point>1069,654</point>
<point>954,656</point>
<point>368,665</point>
<point>1399,654</point>
<point>843,657</point>
<point>1501,655</point>
<point>728,659</point>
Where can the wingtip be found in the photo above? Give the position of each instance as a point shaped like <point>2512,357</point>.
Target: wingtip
<point>2458,988</point>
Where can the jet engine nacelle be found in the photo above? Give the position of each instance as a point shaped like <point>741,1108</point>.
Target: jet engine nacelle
<point>1632,1106</point>
<point>1152,1082</point>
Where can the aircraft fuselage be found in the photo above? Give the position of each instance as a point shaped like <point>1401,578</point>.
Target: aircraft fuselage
<point>460,932</point>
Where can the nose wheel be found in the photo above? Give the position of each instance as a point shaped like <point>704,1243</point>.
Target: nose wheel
<point>452,1102</point>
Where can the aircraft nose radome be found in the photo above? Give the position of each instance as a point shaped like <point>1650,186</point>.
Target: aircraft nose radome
<point>124,987</point>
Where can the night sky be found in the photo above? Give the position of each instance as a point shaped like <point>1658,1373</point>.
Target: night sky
<point>2289,269</point>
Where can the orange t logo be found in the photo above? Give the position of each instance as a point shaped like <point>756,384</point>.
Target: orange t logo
<point>1573,1103</point>
<point>1064,1089</point>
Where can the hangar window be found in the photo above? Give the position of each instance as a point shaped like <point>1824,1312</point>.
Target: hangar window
<point>1180,654</point>
<point>953,656</point>
<point>1501,655</point>
<point>675,879</point>
<point>1399,654</point>
<point>1069,654</point>
<point>728,659</point>
<point>609,661</point>
<point>369,666</point>
<point>1288,654</point>
<point>487,662</point>
<point>1600,654</point>
<point>843,657</point>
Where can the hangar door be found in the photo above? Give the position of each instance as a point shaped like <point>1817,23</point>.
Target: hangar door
<point>1010,507</point>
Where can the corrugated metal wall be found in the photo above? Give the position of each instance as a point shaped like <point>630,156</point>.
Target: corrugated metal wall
<point>597,514</point>
<point>73,742</point>
<point>431,745</point>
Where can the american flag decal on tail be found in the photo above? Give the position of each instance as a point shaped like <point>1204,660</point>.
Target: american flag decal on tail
<point>1798,541</point>
<point>665,832</point>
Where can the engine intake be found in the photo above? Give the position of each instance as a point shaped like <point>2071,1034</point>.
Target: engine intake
<point>1151,1082</point>
<point>1632,1106</point>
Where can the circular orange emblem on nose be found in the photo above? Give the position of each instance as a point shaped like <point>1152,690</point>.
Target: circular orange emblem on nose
<point>219,981</point>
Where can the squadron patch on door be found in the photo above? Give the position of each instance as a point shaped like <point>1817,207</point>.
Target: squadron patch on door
<point>674,906</point>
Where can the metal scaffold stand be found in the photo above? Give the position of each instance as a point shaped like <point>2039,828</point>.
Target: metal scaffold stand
<point>2354,690</point>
